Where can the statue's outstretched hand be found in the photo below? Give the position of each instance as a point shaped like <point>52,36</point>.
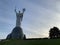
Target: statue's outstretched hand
<point>23,9</point>
<point>15,10</point>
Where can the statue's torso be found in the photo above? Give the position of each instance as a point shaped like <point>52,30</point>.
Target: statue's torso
<point>19,15</point>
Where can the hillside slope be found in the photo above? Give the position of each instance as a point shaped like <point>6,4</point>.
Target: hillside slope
<point>31,42</point>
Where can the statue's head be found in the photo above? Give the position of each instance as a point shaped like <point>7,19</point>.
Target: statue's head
<point>19,11</point>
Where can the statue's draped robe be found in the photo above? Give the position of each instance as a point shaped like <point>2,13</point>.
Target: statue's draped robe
<point>19,17</point>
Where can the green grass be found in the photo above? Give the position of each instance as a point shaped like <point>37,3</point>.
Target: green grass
<point>31,42</point>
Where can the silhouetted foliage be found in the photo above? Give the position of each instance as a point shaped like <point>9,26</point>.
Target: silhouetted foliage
<point>9,36</point>
<point>45,38</point>
<point>54,32</point>
<point>24,37</point>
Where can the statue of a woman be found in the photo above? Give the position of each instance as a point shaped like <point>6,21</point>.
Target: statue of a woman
<point>19,17</point>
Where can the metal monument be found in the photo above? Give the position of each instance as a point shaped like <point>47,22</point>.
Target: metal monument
<point>17,32</point>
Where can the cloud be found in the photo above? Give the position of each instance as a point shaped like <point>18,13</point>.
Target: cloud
<point>3,35</point>
<point>6,20</point>
<point>39,17</point>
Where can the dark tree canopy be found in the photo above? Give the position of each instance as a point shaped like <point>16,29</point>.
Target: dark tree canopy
<point>24,37</point>
<point>54,32</point>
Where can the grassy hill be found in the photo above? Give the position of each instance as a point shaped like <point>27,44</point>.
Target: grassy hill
<point>31,42</point>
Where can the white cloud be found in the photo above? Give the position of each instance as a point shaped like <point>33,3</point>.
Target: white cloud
<point>41,19</point>
<point>38,18</point>
<point>3,35</point>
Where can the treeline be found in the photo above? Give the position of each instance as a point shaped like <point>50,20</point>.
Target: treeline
<point>54,33</point>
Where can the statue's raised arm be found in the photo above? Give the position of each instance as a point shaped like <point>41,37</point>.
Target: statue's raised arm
<point>23,10</point>
<point>15,11</point>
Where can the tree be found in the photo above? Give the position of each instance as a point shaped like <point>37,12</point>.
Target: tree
<point>54,32</point>
<point>24,37</point>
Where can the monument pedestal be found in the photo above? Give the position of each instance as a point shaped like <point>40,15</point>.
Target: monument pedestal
<point>16,33</point>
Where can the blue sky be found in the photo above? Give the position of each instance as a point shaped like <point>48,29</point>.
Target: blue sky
<point>39,17</point>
